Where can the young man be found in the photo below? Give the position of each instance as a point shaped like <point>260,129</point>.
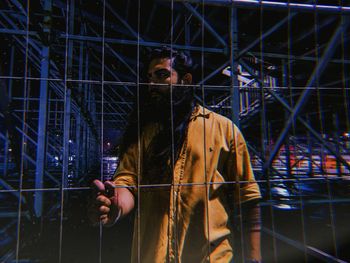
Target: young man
<point>184,168</point>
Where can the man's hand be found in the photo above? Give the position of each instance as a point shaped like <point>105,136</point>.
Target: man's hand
<point>109,203</point>
<point>105,206</point>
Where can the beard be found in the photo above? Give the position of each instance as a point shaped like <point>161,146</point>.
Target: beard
<point>162,105</point>
<point>172,112</point>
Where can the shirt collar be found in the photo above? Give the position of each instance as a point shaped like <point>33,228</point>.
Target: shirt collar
<point>200,111</point>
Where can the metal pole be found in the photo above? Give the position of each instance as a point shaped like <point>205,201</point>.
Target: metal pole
<point>234,69</point>
<point>9,93</point>
<point>336,138</point>
<point>310,149</point>
<point>68,101</point>
<point>42,124</point>
<point>78,138</point>
<point>86,106</point>
<point>287,153</point>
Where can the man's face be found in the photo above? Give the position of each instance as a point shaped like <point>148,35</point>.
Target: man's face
<point>160,78</point>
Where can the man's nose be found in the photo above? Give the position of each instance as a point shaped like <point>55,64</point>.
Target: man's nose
<point>154,81</point>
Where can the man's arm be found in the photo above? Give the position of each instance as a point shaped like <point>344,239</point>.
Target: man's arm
<point>110,203</point>
<point>247,196</point>
<point>251,230</point>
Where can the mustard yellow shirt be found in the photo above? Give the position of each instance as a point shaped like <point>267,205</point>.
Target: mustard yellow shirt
<point>187,221</point>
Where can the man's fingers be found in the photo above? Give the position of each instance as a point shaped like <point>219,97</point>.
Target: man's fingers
<point>98,186</point>
<point>104,219</point>
<point>103,200</point>
<point>109,188</point>
<point>104,209</point>
<point>104,203</point>
<point>112,194</point>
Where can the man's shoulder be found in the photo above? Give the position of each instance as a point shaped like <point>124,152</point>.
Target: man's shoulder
<point>216,123</point>
<point>212,115</point>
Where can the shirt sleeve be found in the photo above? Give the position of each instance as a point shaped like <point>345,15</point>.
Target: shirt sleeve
<point>126,173</point>
<point>240,169</point>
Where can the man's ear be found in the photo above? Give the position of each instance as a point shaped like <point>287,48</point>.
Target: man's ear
<point>187,79</point>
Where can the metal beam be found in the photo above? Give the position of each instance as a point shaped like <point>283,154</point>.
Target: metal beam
<point>57,88</point>
<point>78,116</point>
<point>305,123</point>
<point>346,78</point>
<point>314,252</point>
<point>150,18</point>
<point>113,74</point>
<point>86,88</point>
<point>273,29</point>
<point>141,43</point>
<point>11,190</point>
<point>67,96</point>
<point>333,9</point>
<point>42,124</point>
<point>213,73</point>
<point>119,57</point>
<point>28,158</point>
<point>266,34</point>
<point>106,83</point>
<point>19,6</point>
<point>16,32</point>
<point>199,29</point>
<point>9,99</point>
<point>170,37</point>
<point>66,136</point>
<point>293,58</point>
<point>234,64</point>
<point>206,24</point>
<point>309,31</point>
<point>327,55</point>
<point>125,24</point>
<point>27,127</point>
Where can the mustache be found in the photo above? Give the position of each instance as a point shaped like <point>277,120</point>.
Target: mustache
<point>169,92</point>
<point>159,104</point>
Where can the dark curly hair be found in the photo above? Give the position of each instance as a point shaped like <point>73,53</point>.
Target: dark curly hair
<point>181,60</point>
<point>156,158</point>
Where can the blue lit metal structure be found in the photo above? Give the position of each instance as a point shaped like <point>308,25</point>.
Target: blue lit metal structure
<point>328,53</point>
<point>89,84</point>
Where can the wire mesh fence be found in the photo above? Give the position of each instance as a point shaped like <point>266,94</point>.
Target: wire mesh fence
<point>73,71</point>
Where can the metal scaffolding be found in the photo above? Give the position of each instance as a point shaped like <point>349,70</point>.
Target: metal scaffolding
<point>69,76</point>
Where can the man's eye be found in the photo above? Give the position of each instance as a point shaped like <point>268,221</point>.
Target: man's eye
<point>162,73</point>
